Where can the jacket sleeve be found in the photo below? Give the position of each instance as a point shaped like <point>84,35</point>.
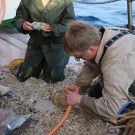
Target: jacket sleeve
<point>97,107</point>
<point>58,29</point>
<point>21,17</point>
<point>106,106</point>
<point>89,71</point>
<point>117,76</point>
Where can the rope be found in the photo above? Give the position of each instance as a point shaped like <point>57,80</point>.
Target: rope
<point>2,10</point>
<point>104,2</point>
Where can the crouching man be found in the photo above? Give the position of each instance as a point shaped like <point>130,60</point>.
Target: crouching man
<point>109,55</point>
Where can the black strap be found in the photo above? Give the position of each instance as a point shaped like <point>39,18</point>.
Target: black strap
<point>132,89</point>
<point>114,38</point>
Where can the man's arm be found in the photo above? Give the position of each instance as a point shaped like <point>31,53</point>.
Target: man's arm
<point>89,71</point>
<point>21,17</point>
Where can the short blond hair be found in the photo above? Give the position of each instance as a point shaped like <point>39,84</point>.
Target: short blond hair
<point>80,36</point>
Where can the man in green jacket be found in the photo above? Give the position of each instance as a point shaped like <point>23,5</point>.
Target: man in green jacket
<point>46,22</point>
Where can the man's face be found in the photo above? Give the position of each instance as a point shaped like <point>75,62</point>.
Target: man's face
<point>87,55</point>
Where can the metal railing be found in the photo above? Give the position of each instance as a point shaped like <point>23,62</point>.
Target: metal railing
<point>129,8</point>
<point>99,2</point>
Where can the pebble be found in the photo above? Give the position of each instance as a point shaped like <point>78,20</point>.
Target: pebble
<point>4,90</point>
<point>2,75</point>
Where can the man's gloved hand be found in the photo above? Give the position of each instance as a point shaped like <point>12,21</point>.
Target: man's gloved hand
<point>73,97</point>
<point>27,26</point>
<point>60,97</point>
<point>73,88</point>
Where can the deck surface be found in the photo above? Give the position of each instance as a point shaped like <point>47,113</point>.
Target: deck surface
<point>12,45</point>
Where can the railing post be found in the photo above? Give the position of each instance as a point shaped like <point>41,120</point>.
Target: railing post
<point>130,19</point>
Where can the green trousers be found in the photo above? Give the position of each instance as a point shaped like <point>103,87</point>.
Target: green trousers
<point>50,60</point>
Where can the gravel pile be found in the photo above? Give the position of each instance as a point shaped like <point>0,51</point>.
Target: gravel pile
<point>34,96</point>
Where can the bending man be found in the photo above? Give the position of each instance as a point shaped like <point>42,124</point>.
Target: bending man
<point>109,55</point>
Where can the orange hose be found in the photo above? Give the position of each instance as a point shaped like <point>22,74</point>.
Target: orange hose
<point>64,116</point>
<point>54,129</point>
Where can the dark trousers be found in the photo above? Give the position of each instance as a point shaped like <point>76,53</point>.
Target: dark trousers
<point>51,60</point>
<point>95,88</point>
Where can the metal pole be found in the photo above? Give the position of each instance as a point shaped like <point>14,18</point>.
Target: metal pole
<point>130,19</point>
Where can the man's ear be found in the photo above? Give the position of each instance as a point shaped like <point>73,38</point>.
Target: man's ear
<point>92,48</point>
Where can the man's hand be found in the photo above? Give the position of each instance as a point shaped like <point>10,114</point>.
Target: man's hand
<point>73,98</point>
<point>27,26</point>
<point>73,88</point>
<point>46,27</point>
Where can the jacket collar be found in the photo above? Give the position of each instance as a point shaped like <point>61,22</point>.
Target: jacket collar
<point>53,3</point>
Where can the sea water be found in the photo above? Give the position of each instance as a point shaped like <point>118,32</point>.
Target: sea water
<point>111,14</point>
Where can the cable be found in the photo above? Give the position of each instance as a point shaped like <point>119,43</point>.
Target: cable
<point>103,2</point>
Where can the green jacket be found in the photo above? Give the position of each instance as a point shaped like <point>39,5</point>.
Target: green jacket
<point>57,13</point>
